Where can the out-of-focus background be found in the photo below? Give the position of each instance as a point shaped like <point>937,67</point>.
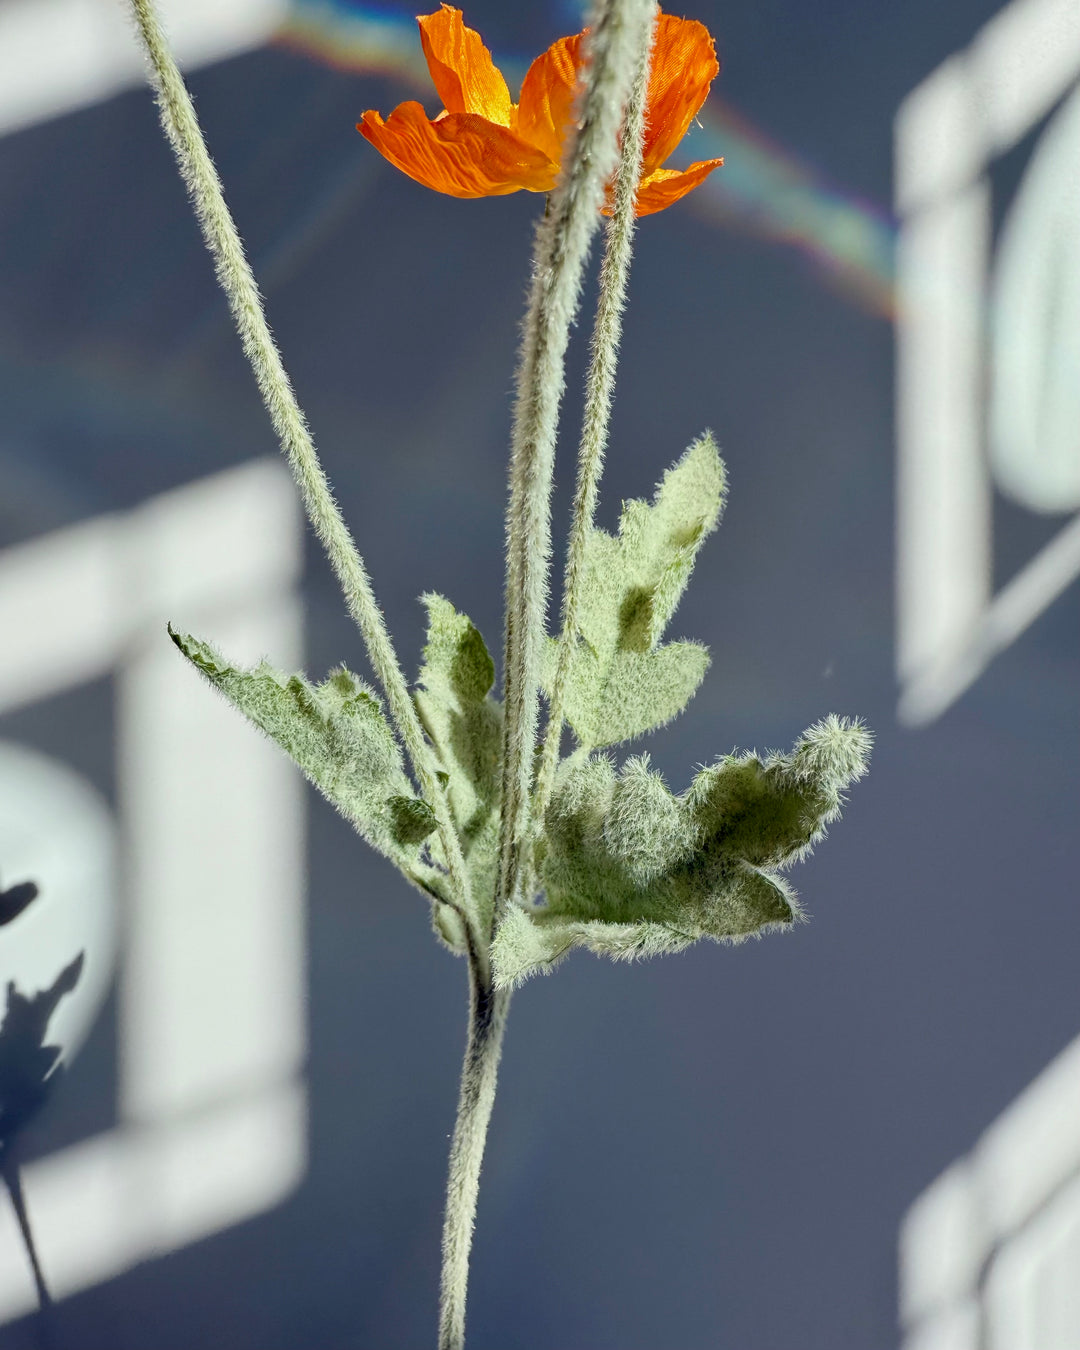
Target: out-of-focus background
<point>865,1133</point>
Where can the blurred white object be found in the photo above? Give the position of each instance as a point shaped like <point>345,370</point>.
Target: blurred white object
<point>989,1253</point>
<point>57,831</point>
<point>58,55</point>
<point>1035,313</point>
<point>211,1027</point>
<point>976,106</point>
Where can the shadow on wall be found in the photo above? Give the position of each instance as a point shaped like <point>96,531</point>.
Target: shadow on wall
<point>28,1065</point>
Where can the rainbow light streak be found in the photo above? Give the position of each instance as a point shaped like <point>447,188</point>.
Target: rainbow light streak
<point>762,187</point>
<point>766,190</point>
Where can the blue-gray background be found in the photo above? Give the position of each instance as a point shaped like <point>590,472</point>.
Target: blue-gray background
<point>712,1150</point>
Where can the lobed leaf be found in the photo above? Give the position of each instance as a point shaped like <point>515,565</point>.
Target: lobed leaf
<point>337,734</point>
<point>621,681</point>
<point>629,869</point>
<point>772,811</point>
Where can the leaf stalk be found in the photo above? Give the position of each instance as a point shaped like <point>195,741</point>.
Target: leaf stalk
<point>599,388</point>
<point>563,238</point>
<point>181,127</point>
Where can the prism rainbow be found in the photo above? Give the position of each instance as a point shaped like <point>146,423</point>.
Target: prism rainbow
<point>763,188</point>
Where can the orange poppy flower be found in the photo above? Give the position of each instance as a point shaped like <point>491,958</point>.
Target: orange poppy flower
<point>482,145</point>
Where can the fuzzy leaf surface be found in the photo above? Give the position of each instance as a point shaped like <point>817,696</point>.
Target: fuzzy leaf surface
<point>411,819</point>
<point>629,693</point>
<point>337,734</point>
<point>631,870</point>
<point>622,682</point>
<point>464,724</point>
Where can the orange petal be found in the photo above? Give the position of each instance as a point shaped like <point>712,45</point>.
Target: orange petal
<point>547,96</point>
<point>459,153</point>
<point>684,64</point>
<point>461,67</point>
<point>664,187</point>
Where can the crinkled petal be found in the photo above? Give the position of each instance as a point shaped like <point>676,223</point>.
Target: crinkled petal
<point>546,105</point>
<point>664,187</point>
<point>460,153</point>
<point>684,65</point>
<point>467,79</point>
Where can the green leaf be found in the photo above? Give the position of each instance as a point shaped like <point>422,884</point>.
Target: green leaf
<point>631,870</point>
<point>411,819</point>
<point>464,725</point>
<point>621,681</point>
<point>450,928</point>
<point>644,827</point>
<point>772,811</point>
<point>531,942</point>
<point>335,731</point>
<point>635,581</point>
<point>629,694</point>
<point>624,849</point>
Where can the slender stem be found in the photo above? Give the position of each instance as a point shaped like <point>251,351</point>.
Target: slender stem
<point>13,1179</point>
<point>234,273</point>
<point>620,30</point>
<point>599,386</point>
<point>487,1021</point>
<point>561,249</point>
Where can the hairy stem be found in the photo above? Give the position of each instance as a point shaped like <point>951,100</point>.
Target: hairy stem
<point>487,1021</point>
<point>559,256</point>
<point>599,387</point>
<point>234,273</point>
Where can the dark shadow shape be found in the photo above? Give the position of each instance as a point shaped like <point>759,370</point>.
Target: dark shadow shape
<point>15,899</point>
<point>28,1068</point>
<point>27,1064</point>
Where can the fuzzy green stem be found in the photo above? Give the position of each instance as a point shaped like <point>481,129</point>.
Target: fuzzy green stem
<point>234,274</point>
<point>562,244</point>
<point>599,387</point>
<point>487,1021</point>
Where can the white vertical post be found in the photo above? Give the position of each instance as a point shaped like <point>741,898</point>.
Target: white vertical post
<point>211,1028</point>
<point>943,492</point>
